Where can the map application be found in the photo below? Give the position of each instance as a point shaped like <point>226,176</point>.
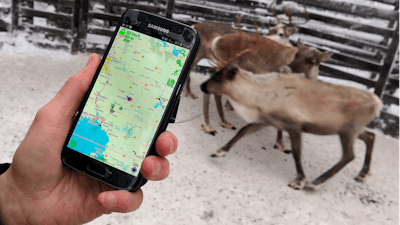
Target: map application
<point>128,100</point>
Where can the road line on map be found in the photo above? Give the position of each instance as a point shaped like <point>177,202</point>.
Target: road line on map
<point>122,114</point>
<point>142,82</point>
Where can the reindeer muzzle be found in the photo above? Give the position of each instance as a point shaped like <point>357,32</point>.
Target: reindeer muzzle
<point>203,87</point>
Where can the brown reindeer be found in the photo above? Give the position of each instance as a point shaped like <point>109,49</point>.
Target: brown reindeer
<point>306,61</point>
<point>209,30</point>
<point>298,105</point>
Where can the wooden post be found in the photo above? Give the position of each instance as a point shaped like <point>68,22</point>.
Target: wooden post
<point>80,24</point>
<point>14,15</point>
<point>170,9</point>
<point>27,19</point>
<point>82,32</point>
<point>278,2</point>
<point>388,63</point>
<point>75,27</point>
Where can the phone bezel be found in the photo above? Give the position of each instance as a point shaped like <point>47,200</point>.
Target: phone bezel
<point>120,179</point>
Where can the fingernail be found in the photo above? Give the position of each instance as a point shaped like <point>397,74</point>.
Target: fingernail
<point>171,146</point>
<point>109,201</point>
<point>90,60</point>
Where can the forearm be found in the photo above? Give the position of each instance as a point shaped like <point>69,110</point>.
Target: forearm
<point>10,212</point>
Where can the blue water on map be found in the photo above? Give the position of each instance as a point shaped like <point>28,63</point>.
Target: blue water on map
<point>93,132</point>
<point>165,44</point>
<point>176,52</point>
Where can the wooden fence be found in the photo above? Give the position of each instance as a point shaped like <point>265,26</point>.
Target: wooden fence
<point>343,27</point>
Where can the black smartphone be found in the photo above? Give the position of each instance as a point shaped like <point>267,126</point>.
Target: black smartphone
<point>131,98</point>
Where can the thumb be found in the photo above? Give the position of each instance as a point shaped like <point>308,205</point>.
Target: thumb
<point>120,201</point>
<point>67,100</point>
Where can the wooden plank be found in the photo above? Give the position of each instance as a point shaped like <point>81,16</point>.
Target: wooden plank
<point>65,34</point>
<point>393,82</point>
<point>45,14</point>
<point>100,31</point>
<point>169,9</point>
<point>343,40</point>
<point>350,7</point>
<point>4,26</point>
<point>391,2</point>
<point>342,23</point>
<point>104,16</point>
<point>212,13</point>
<point>331,72</point>
<point>388,64</point>
<point>27,19</point>
<point>133,5</point>
<point>68,3</point>
<point>349,59</point>
<point>14,15</point>
<point>390,99</point>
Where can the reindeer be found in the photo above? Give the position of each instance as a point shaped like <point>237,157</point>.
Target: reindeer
<point>298,105</point>
<point>209,30</point>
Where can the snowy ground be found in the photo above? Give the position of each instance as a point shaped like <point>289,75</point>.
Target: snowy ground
<point>248,186</point>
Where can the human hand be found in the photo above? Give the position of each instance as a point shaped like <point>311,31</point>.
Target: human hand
<point>38,189</point>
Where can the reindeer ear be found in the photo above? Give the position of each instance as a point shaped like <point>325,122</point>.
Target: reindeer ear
<point>291,30</point>
<point>325,56</point>
<point>300,44</point>
<point>231,71</point>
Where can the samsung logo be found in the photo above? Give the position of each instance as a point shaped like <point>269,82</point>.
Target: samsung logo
<point>152,26</point>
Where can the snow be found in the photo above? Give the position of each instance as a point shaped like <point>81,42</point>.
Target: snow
<point>247,186</point>
<point>19,45</point>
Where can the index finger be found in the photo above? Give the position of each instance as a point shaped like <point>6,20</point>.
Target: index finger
<point>166,144</point>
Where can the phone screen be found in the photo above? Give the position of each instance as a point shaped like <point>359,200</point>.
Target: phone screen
<point>128,100</point>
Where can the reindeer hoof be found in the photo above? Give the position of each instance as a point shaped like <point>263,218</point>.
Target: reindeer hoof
<point>297,185</point>
<point>219,153</point>
<point>208,129</point>
<point>227,125</point>
<point>190,95</point>
<point>312,187</point>
<point>282,148</point>
<point>362,178</point>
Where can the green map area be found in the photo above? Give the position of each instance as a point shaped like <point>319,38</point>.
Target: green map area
<point>128,100</point>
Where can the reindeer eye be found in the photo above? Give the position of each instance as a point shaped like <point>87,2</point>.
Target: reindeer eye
<point>280,35</point>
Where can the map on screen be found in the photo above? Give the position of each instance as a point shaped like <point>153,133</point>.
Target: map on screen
<point>128,100</point>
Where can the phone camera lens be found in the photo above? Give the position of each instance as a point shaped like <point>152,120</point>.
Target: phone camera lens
<point>180,30</point>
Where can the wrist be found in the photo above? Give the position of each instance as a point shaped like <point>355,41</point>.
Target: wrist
<point>11,211</point>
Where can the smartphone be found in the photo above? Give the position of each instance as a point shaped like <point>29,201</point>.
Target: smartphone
<point>131,99</point>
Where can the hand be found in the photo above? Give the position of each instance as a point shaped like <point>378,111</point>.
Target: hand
<point>38,189</point>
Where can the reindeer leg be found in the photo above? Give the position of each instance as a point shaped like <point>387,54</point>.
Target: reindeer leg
<point>248,129</point>
<point>347,140</point>
<point>279,143</point>
<point>228,106</point>
<point>221,114</point>
<point>295,138</point>
<point>369,139</point>
<point>188,92</point>
<point>206,123</point>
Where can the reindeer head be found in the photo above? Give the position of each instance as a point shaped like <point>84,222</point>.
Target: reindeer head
<point>218,83</point>
<point>308,59</point>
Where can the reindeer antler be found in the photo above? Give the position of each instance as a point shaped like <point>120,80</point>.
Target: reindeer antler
<point>289,13</point>
<point>256,26</point>
<point>221,64</point>
<point>273,11</point>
